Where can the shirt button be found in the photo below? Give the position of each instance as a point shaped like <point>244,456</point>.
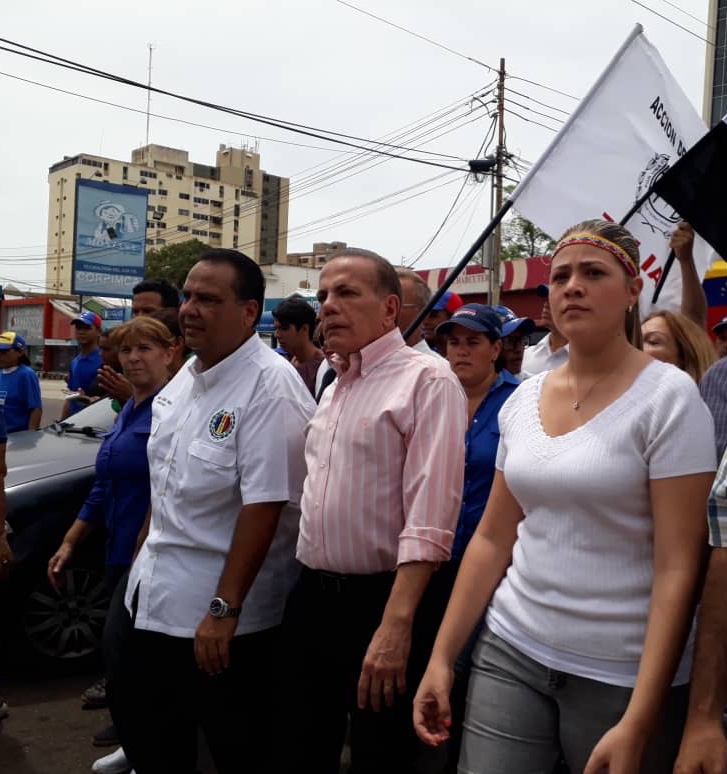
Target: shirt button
<point>475,421</point>
<point>317,504</point>
<point>323,464</point>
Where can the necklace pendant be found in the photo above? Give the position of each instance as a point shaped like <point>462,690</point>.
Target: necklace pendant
<point>576,405</point>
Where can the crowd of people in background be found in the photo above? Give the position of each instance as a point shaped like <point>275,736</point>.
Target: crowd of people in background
<point>447,546</point>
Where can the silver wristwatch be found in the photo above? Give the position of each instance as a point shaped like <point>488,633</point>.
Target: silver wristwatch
<point>220,609</point>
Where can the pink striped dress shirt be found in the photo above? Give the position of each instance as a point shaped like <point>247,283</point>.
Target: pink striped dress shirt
<point>385,459</point>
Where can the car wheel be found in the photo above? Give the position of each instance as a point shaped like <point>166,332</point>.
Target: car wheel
<point>67,624</point>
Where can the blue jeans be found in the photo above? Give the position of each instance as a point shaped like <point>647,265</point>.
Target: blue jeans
<point>521,716</point>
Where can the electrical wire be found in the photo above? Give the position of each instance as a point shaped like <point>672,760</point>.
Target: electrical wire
<point>451,50</point>
<point>321,134</point>
<point>690,15</point>
<point>671,21</point>
<point>531,121</point>
<point>532,99</point>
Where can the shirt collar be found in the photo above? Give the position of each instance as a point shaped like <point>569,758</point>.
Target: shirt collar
<point>371,355</point>
<point>212,376</point>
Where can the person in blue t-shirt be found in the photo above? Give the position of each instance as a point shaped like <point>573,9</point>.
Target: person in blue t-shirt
<point>19,385</point>
<point>84,367</point>
<point>6,553</point>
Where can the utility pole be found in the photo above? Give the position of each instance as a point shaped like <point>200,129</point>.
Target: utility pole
<point>493,296</point>
<point>148,95</point>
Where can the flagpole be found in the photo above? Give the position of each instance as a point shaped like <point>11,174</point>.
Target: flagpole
<point>459,268</point>
<point>637,30</point>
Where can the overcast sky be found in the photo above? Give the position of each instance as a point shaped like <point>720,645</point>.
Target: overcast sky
<point>320,63</point>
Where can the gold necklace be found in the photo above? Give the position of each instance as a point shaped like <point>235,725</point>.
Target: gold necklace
<point>575,403</point>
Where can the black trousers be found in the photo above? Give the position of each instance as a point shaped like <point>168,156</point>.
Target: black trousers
<point>328,625</point>
<point>159,698</point>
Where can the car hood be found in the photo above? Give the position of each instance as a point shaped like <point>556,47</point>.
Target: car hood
<point>33,455</point>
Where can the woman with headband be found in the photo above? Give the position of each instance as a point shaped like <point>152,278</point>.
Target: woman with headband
<point>588,554</point>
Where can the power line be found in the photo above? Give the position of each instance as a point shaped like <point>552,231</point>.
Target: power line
<point>417,35</point>
<point>671,21</point>
<point>451,50</point>
<point>537,101</point>
<point>531,121</point>
<point>536,112</point>
<point>690,15</point>
<point>321,134</point>
<point>159,115</point>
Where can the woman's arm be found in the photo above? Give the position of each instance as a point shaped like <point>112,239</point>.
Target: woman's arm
<point>77,533</point>
<point>678,507</point>
<point>485,562</point>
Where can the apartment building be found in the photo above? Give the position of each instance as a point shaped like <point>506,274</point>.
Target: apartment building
<point>231,204</point>
<point>715,71</point>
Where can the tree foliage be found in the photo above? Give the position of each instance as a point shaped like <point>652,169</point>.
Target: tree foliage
<point>521,238</point>
<point>173,262</point>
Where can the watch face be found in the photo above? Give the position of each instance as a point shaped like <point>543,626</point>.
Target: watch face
<point>217,607</point>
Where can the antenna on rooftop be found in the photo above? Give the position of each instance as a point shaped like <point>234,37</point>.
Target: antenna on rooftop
<point>148,94</point>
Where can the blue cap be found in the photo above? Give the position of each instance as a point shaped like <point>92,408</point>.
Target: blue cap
<point>511,322</point>
<point>543,290</point>
<point>476,317</point>
<point>721,325</point>
<point>88,318</point>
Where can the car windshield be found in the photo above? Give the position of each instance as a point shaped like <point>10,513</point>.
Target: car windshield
<point>98,414</point>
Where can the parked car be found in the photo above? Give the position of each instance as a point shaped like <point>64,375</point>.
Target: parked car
<point>50,473</point>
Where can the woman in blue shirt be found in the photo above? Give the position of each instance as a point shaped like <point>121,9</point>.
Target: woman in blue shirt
<point>474,350</point>
<point>120,495</point>
<point>19,385</point>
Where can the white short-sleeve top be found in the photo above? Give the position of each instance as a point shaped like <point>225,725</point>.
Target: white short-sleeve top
<point>576,596</point>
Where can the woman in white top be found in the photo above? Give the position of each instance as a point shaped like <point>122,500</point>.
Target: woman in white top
<point>588,555</point>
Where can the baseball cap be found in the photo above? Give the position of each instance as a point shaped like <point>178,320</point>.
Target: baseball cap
<point>88,318</point>
<point>511,322</point>
<point>476,317</point>
<point>11,340</point>
<point>542,290</point>
<point>449,302</point>
<point>721,325</point>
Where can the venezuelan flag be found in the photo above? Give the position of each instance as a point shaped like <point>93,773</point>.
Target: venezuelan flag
<point>715,288</point>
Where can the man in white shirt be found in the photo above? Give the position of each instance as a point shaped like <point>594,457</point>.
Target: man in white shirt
<point>415,295</point>
<point>551,351</point>
<point>209,585</point>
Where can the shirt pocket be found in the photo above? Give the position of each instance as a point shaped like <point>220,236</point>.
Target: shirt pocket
<point>212,456</point>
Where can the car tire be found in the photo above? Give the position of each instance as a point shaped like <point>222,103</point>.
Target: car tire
<point>66,626</point>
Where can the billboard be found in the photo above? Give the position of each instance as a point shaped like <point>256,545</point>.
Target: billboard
<point>109,241</point>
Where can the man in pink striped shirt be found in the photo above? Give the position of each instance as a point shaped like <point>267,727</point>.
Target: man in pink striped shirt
<point>385,460</point>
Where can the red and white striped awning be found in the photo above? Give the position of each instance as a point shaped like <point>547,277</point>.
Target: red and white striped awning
<point>522,274</point>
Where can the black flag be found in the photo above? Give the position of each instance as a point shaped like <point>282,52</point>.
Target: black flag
<point>695,187</point>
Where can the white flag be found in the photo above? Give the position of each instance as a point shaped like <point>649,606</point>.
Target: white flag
<point>626,132</point>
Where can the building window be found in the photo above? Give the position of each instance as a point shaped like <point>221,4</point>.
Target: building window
<point>202,186</point>
<point>215,203</point>
<point>149,208</point>
<point>160,241</point>
<point>161,224</point>
<point>91,163</point>
<point>163,192</point>
<point>161,208</point>
<point>178,170</point>
<point>222,192</point>
<point>182,228</point>
<point>216,221</point>
<point>200,200</point>
<point>196,232</point>
<point>200,216</point>
<point>215,235</point>
<point>147,173</point>
<point>124,173</point>
<point>183,196</point>
<point>183,212</point>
